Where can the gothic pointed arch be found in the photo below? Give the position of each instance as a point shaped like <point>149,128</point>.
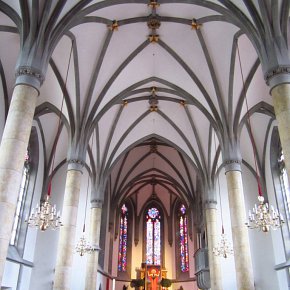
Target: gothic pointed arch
<point>182,237</point>
<point>153,234</point>
<point>125,239</point>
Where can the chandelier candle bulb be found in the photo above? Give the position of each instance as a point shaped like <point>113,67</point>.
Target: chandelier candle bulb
<point>224,247</point>
<point>264,219</point>
<point>44,216</point>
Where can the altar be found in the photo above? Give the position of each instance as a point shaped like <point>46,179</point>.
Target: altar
<point>152,274</point>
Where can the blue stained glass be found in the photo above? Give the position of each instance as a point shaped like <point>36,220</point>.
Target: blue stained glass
<point>123,241</point>
<point>183,241</point>
<point>153,237</point>
<point>149,243</point>
<point>157,246</point>
<point>120,245</point>
<point>124,245</point>
<point>153,212</point>
<point>186,244</point>
<point>183,209</point>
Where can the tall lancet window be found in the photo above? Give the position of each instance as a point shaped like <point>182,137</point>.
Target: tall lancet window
<point>123,242</point>
<point>183,239</point>
<point>153,236</point>
<point>21,201</point>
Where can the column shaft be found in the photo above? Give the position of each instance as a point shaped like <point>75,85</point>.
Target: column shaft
<point>67,233</point>
<point>281,102</point>
<point>12,154</point>
<point>214,262</point>
<point>242,254</point>
<point>92,262</point>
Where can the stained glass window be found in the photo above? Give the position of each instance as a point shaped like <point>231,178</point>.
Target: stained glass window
<point>153,236</point>
<point>21,200</point>
<point>123,242</point>
<point>183,240</point>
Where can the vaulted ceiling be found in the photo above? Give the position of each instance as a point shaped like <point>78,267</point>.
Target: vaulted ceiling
<point>157,86</point>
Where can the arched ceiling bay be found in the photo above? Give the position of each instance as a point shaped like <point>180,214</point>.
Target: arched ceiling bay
<point>142,75</point>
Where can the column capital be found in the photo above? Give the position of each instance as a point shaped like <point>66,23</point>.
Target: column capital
<point>210,204</point>
<point>76,164</point>
<point>232,165</point>
<point>96,203</point>
<point>277,75</point>
<point>28,75</point>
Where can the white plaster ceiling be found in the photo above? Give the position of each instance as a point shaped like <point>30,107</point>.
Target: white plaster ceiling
<point>195,66</point>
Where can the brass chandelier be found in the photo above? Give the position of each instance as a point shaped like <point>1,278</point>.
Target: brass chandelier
<point>261,217</point>
<point>224,247</point>
<point>45,216</point>
<point>83,246</point>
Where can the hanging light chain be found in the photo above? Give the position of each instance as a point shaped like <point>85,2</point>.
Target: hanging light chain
<point>45,215</point>
<point>224,247</point>
<point>261,217</point>
<point>83,246</point>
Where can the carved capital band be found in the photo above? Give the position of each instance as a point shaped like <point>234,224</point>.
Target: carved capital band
<point>75,164</point>
<point>96,203</point>
<point>31,72</point>
<point>278,70</point>
<point>77,161</point>
<point>210,204</point>
<point>232,165</point>
<point>232,162</point>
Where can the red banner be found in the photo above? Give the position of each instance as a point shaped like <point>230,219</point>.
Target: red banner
<point>154,275</point>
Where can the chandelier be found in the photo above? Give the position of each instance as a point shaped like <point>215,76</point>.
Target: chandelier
<point>261,217</point>
<point>44,216</point>
<point>83,247</point>
<point>224,247</point>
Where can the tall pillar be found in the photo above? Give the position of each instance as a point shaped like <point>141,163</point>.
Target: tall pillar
<point>241,245</point>
<point>281,102</point>
<point>12,154</point>
<point>212,239</point>
<point>93,258</point>
<point>67,233</point>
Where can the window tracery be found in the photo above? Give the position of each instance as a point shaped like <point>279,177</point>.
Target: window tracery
<point>183,239</point>
<point>123,240</point>
<point>153,236</point>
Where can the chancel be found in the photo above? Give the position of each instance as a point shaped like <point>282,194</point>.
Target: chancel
<point>147,143</point>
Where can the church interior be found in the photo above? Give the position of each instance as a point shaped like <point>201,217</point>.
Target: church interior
<point>145,144</point>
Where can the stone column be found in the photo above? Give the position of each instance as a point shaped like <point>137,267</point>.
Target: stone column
<point>241,245</point>
<point>67,233</point>
<point>93,258</point>
<point>12,154</point>
<point>212,239</point>
<point>281,102</point>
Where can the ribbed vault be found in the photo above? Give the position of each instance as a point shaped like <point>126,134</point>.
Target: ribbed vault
<point>154,85</point>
